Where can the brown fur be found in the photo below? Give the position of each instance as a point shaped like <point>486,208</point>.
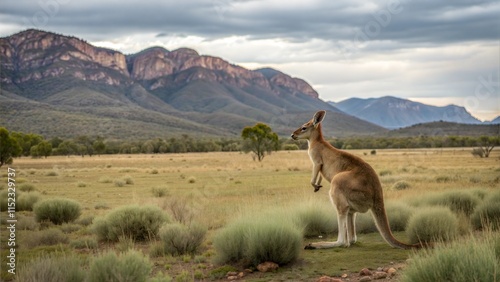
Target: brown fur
<point>355,186</point>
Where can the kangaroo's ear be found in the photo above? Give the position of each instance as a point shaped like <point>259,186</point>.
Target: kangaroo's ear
<point>318,117</point>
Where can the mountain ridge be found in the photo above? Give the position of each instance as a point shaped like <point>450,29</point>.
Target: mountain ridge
<point>393,112</point>
<point>55,85</point>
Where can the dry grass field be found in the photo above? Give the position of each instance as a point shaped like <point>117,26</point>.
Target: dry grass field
<point>216,188</point>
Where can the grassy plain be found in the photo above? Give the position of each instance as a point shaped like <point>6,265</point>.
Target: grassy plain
<point>219,187</point>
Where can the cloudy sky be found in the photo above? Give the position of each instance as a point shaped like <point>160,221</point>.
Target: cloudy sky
<point>433,51</point>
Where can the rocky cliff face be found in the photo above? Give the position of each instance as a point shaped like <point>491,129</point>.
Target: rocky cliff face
<point>35,54</point>
<point>32,55</point>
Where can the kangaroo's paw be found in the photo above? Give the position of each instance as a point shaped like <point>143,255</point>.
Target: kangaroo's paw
<point>317,187</point>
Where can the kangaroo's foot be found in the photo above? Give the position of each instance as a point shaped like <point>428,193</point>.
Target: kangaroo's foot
<point>325,245</point>
<point>317,187</point>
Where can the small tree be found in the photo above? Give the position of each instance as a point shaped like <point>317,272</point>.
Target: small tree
<point>260,140</point>
<point>487,144</point>
<point>9,148</point>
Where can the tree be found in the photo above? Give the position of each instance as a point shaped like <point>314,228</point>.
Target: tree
<point>99,146</point>
<point>260,140</point>
<point>44,149</point>
<point>9,148</point>
<point>487,143</point>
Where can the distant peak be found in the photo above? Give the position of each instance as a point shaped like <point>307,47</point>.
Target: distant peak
<point>268,72</point>
<point>186,51</point>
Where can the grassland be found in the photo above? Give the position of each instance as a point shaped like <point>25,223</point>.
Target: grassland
<point>216,188</point>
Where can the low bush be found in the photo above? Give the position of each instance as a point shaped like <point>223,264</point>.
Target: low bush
<point>401,185</point>
<point>27,187</point>
<point>279,242</point>
<point>27,223</point>
<point>58,211</point>
<point>315,219</point>
<point>131,266</point>
<point>457,201</point>
<point>487,215</point>
<point>432,224</point>
<point>51,268</point>
<point>159,191</point>
<point>26,201</point>
<point>137,222</point>
<point>253,241</point>
<point>85,243</point>
<point>471,259</point>
<point>179,239</point>
<point>47,237</point>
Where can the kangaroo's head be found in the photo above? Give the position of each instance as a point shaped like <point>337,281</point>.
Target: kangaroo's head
<point>310,127</point>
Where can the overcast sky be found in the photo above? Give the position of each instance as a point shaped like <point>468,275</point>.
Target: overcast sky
<point>431,51</point>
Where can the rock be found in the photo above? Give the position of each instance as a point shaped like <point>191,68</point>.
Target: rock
<point>267,266</point>
<point>365,279</point>
<point>379,275</point>
<point>344,275</point>
<point>365,272</point>
<point>241,274</point>
<point>391,271</point>
<point>231,278</point>
<point>232,273</point>
<point>248,270</point>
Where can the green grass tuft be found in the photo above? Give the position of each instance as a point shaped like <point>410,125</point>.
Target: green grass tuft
<point>432,224</point>
<point>179,239</point>
<point>469,259</point>
<point>131,266</point>
<point>137,222</point>
<point>58,211</point>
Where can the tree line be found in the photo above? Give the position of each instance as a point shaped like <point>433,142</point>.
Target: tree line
<point>18,144</point>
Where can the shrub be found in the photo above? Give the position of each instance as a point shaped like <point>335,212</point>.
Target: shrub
<point>136,222</point>
<point>457,201</point>
<point>50,268</point>
<point>159,191</point>
<point>26,223</point>
<point>26,187</point>
<point>85,243</point>
<point>443,179</point>
<point>432,224</point>
<point>128,180</point>
<point>315,219</point>
<point>471,259</point>
<point>401,185</point>
<point>69,227</point>
<point>258,240</point>
<point>273,240</point>
<point>179,239</point>
<point>105,179</point>
<point>51,173</point>
<point>487,215</point>
<point>46,237</point>
<point>290,147</point>
<point>57,211</point>
<point>131,266</point>
<point>85,221</point>
<point>180,209</point>
<point>26,201</point>
<point>81,184</point>
<point>192,179</point>
<point>119,182</point>
<point>385,172</point>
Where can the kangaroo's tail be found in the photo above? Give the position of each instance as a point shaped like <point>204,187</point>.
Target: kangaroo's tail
<point>380,218</point>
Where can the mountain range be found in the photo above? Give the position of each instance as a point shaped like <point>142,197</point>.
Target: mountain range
<point>391,112</point>
<point>58,85</point>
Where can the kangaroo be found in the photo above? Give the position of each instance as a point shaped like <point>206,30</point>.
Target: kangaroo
<point>355,186</point>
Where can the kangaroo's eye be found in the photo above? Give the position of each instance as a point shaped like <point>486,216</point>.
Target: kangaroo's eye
<point>304,128</point>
